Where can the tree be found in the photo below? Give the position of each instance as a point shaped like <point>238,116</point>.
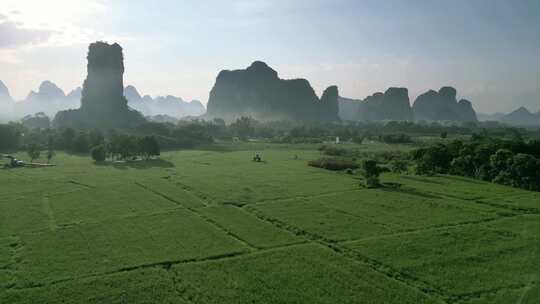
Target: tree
<point>95,138</point>
<point>149,147</point>
<point>68,135</point>
<point>371,173</point>
<point>10,136</point>
<point>500,161</point>
<point>33,152</point>
<point>128,147</point>
<point>463,165</point>
<point>243,127</point>
<point>444,134</point>
<point>432,160</point>
<point>50,149</point>
<point>81,143</point>
<point>50,155</point>
<point>525,172</point>
<point>98,153</point>
<point>398,166</point>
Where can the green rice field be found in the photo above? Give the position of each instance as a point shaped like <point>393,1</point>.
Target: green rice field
<point>212,226</point>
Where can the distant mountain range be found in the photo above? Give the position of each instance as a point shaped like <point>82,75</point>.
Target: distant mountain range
<point>394,104</point>
<point>50,99</point>
<point>520,117</point>
<point>246,92</point>
<point>171,106</point>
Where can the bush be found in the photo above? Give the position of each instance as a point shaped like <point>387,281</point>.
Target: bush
<point>398,166</point>
<point>333,164</point>
<point>333,151</point>
<point>98,153</point>
<point>395,139</point>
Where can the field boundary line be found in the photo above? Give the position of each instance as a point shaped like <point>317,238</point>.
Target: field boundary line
<point>480,201</point>
<point>121,217</point>
<point>523,210</point>
<point>162,264</point>
<point>386,270</point>
<point>432,228</point>
<point>189,190</point>
<point>203,217</point>
<point>71,181</point>
<point>49,212</point>
<point>285,199</point>
<point>465,297</point>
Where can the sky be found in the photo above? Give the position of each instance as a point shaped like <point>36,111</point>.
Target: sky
<point>489,50</point>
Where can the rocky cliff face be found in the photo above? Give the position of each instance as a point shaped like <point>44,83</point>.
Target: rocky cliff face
<point>103,88</point>
<point>329,104</point>
<point>466,111</point>
<point>349,108</point>
<point>392,105</point>
<point>103,104</point>
<point>258,91</point>
<point>442,105</point>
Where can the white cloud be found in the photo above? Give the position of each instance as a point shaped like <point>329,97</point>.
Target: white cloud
<point>13,36</point>
<point>62,19</point>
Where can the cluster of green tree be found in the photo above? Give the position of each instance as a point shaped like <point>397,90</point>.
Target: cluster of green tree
<point>333,164</point>
<point>189,134</point>
<point>395,138</point>
<point>391,132</point>
<point>183,135</point>
<point>10,137</point>
<point>15,137</point>
<point>369,168</point>
<point>514,163</point>
<point>126,147</point>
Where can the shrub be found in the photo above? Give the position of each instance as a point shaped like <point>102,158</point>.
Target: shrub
<point>98,153</point>
<point>398,166</point>
<point>333,164</point>
<point>333,151</point>
<point>395,139</point>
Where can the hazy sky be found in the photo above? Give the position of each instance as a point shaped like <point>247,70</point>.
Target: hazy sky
<point>488,49</point>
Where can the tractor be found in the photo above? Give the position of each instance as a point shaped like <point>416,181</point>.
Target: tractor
<point>13,162</point>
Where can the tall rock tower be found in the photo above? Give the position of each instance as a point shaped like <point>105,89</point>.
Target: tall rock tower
<point>103,104</point>
<point>103,89</point>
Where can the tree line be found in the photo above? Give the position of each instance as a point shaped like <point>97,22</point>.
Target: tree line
<point>514,163</point>
<point>126,147</point>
